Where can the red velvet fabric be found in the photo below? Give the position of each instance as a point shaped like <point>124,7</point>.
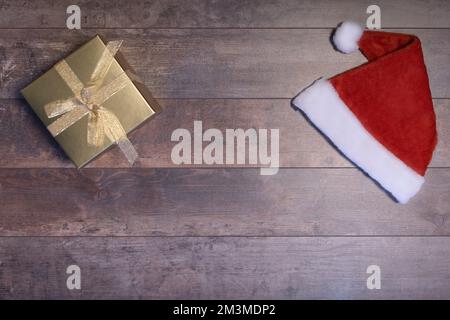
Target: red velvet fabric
<point>390,96</point>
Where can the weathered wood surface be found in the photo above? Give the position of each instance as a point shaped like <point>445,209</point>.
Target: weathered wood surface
<point>225,268</point>
<point>222,14</point>
<point>199,202</point>
<point>206,63</point>
<point>25,143</point>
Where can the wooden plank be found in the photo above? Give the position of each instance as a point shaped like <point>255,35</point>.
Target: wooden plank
<point>49,13</point>
<point>208,63</point>
<point>24,142</point>
<point>225,268</point>
<point>219,14</point>
<point>203,202</point>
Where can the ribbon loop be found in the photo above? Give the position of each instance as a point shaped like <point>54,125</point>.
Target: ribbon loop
<point>59,107</point>
<point>105,62</point>
<point>66,120</point>
<point>87,99</point>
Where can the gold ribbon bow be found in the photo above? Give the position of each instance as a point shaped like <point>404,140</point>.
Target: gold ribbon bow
<point>88,100</point>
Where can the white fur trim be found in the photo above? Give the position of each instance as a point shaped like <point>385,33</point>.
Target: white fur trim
<point>323,106</point>
<point>346,36</point>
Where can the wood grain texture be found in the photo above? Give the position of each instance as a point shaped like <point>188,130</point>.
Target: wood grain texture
<point>206,63</point>
<point>25,143</point>
<point>199,202</point>
<point>222,14</point>
<point>225,268</point>
<point>49,13</point>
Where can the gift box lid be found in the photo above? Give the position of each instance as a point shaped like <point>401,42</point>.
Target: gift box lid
<point>132,105</point>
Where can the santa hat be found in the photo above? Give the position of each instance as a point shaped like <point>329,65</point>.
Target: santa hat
<point>380,114</point>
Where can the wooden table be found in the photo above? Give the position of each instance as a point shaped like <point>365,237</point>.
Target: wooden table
<point>159,230</point>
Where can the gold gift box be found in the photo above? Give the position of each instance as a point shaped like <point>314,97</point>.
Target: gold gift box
<point>132,105</point>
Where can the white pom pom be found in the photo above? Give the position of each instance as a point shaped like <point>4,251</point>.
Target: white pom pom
<point>346,36</point>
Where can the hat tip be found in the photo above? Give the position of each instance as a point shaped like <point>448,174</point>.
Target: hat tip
<point>346,36</point>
